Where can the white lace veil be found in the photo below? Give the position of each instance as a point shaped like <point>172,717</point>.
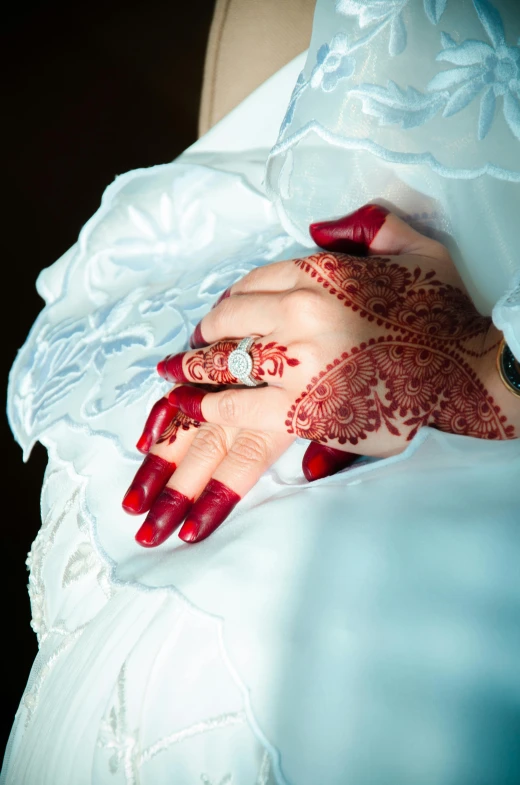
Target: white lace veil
<point>414,104</point>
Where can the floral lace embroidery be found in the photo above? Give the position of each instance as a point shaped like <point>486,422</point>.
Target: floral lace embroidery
<point>39,549</point>
<point>82,562</point>
<point>332,64</point>
<point>68,357</point>
<point>489,69</point>
<point>123,744</point>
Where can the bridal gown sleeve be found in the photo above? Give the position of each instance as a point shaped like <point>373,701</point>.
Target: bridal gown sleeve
<point>362,628</point>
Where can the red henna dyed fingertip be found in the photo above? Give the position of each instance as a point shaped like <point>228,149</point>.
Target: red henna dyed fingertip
<point>197,339</point>
<point>156,423</point>
<point>144,444</point>
<point>145,535</point>
<point>320,461</point>
<point>171,368</point>
<point>133,501</point>
<point>189,531</point>
<point>352,234</point>
<point>189,400</point>
<point>149,480</point>
<point>167,513</point>
<point>210,510</point>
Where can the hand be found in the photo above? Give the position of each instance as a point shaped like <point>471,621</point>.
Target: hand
<point>219,466</point>
<point>358,353</point>
<point>187,461</point>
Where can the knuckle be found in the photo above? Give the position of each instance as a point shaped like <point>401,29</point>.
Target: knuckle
<point>228,406</point>
<point>248,282</point>
<point>303,303</point>
<point>251,448</point>
<point>440,252</point>
<point>209,443</point>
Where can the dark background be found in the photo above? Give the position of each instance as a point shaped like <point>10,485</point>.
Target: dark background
<point>92,90</point>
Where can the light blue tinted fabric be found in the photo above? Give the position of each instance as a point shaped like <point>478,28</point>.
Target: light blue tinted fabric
<point>415,104</point>
<point>360,629</point>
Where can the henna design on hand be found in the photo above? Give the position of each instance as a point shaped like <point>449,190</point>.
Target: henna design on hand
<point>268,359</point>
<point>427,385</point>
<point>419,374</point>
<point>180,422</point>
<point>395,297</point>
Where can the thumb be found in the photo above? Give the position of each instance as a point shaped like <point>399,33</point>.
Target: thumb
<point>320,461</point>
<point>374,230</point>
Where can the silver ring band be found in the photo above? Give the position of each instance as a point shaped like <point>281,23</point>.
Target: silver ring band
<point>240,363</point>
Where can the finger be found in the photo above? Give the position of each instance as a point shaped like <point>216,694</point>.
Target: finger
<point>149,480</point>
<point>160,417</point>
<point>159,464</point>
<point>320,461</point>
<point>249,314</point>
<point>269,361</point>
<point>207,449</point>
<point>250,455</point>
<point>374,230</point>
<point>353,233</point>
<point>264,408</point>
<point>276,277</point>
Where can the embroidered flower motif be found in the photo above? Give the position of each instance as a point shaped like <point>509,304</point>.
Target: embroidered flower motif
<point>332,64</point>
<point>379,14</point>
<point>492,69</point>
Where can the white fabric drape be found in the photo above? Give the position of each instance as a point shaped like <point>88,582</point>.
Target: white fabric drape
<point>360,629</point>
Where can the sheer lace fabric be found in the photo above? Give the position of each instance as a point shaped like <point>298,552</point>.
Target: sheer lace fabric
<point>416,103</point>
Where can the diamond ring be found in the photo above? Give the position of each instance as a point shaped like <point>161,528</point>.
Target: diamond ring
<point>240,363</point>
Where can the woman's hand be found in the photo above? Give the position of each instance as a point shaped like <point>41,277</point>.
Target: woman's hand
<point>357,353</point>
<point>186,461</point>
<point>408,321</point>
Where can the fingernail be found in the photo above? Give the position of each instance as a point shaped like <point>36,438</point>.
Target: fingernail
<point>188,533</point>
<point>352,234</point>
<point>144,443</point>
<point>133,501</point>
<point>168,512</point>
<point>189,400</point>
<point>149,480</point>
<point>211,508</point>
<point>158,420</point>
<point>171,368</point>
<point>197,339</point>
<point>320,461</point>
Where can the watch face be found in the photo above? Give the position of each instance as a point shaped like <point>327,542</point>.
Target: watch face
<point>509,369</point>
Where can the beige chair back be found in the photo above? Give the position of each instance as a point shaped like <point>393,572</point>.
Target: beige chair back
<point>249,41</point>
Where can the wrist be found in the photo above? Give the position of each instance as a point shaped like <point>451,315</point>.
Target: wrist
<point>503,394</point>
